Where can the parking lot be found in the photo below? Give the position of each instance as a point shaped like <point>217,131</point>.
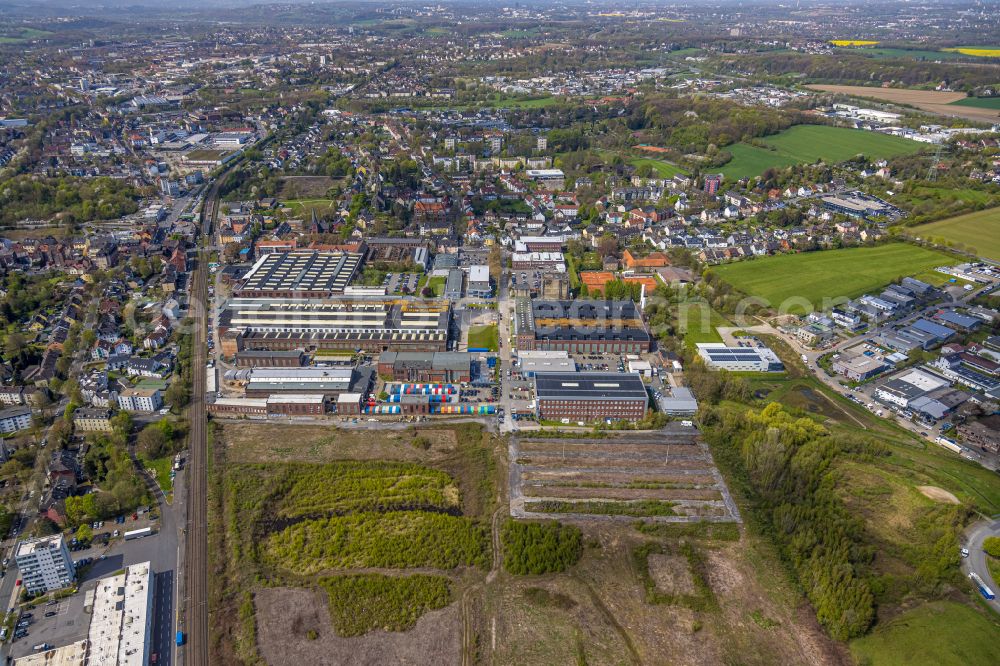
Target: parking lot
<point>530,280</point>
<point>399,283</point>
<point>65,621</point>
<point>467,258</point>
<point>56,622</point>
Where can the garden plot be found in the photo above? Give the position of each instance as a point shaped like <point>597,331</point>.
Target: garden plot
<point>666,476</point>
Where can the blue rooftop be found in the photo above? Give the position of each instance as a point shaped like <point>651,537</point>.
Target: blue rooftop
<point>961,320</point>
<point>936,330</point>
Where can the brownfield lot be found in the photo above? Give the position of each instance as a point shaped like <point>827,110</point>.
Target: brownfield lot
<point>599,613</point>
<point>931,101</point>
<point>666,466</point>
<point>255,442</point>
<point>288,620</point>
<point>285,616</point>
<point>604,610</point>
<point>305,187</point>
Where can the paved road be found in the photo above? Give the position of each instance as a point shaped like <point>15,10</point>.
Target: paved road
<point>976,561</point>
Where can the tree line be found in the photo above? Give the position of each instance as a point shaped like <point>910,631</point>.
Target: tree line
<point>784,464</point>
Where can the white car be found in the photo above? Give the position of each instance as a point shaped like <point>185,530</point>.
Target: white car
<point>965,552</point>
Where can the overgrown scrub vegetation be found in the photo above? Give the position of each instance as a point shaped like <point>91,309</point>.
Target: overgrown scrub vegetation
<point>363,602</point>
<point>701,530</point>
<point>310,490</point>
<point>701,600</point>
<point>398,539</point>
<point>784,466</point>
<point>277,504</point>
<point>281,524</point>
<point>539,548</point>
<point>74,199</point>
<point>605,508</point>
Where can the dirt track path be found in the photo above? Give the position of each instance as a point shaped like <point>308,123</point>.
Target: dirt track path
<point>468,630</point>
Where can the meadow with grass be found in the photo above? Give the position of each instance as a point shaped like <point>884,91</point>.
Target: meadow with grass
<point>660,168</point>
<point>396,540</point>
<point>484,337</point>
<point>811,277</point>
<point>977,233</point>
<point>943,633</point>
<point>805,144</point>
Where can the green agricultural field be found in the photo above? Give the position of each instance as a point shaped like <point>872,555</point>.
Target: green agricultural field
<point>514,103</point>
<point>484,337</point>
<point>915,54</point>
<point>805,144</point>
<point>24,35</point>
<point>978,232</point>
<point>661,168</point>
<point>794,281</point>
<point>941,633</point>
<point>752,161</point>
<point>979,102</point>
<point>506,102</point>
<point>519,34</point>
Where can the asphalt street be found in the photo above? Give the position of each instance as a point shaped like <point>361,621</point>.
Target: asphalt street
<point>976,561</point>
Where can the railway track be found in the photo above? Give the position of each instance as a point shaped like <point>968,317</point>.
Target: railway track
<point>196,650</point>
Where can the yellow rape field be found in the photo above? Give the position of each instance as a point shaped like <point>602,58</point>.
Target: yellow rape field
<point>980,53</point>
<point>852,42</point>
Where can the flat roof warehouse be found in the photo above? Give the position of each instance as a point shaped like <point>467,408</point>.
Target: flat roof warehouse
<point>584,386</point>
<point>582,325</point>
<point>302,273</point>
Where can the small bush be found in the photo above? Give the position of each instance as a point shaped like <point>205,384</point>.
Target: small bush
<point>363,602</point>
<point>538,548</point>
<point>992,546</point>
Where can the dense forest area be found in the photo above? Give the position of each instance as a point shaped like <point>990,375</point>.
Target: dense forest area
<point>74,199</point>
<point>697,124</point>
<point>860,70</point>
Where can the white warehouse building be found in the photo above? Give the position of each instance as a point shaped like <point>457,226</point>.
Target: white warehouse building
<point>718,356</point>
